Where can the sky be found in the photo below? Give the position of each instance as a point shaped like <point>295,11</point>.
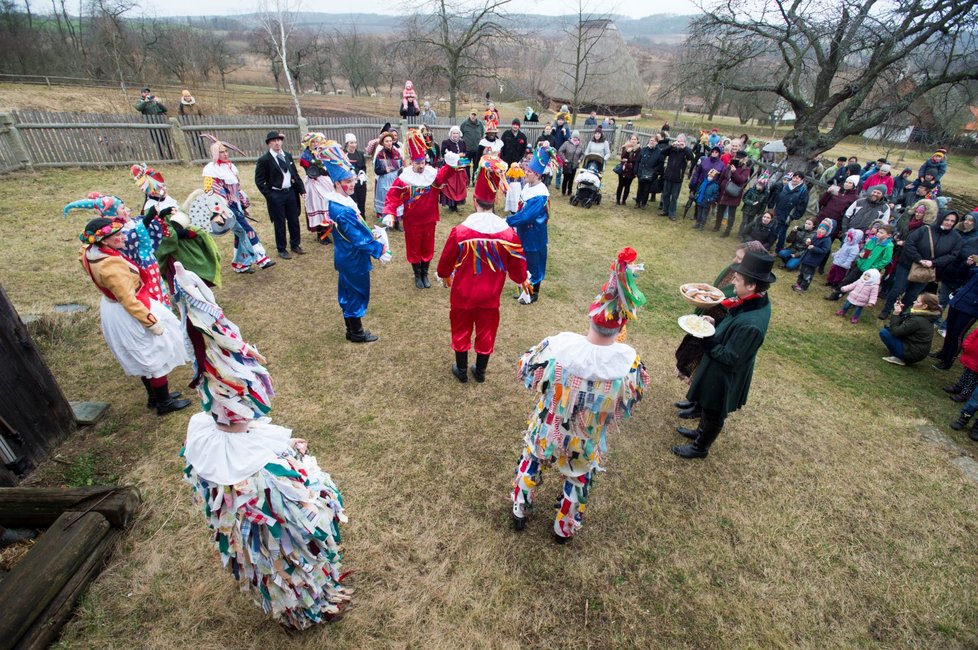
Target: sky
<point>631,8</point>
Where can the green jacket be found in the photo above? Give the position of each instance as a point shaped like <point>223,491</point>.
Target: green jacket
<point>916,332</point>
<point>722,380</point>
<point>154,107</point>
<point>874,256</point>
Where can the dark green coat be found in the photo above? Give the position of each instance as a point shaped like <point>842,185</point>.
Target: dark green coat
<point>722,380</point>
<point>916,332</point>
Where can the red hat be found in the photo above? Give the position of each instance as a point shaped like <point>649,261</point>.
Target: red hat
<point>620,297</point>
<point>489,177</point>
<point>417,149</point>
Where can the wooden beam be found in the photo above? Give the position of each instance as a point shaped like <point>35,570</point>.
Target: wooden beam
<point>39,507</point>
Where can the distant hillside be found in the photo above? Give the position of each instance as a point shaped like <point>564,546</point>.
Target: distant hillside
<point>665,27</point>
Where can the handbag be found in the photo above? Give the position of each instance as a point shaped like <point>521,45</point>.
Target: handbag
<point>732,189</point>
<point>617,168</point>
<point>921,273</point>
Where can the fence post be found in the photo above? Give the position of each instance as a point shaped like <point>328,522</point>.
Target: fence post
<point>10,124</point>
<point>303,127</point>
<point>179,142</point>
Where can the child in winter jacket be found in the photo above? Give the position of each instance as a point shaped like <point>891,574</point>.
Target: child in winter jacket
<point>796,245</point>
<point>755,200</point>
<point>862,293</point>
<point>817,251</point>
<point>761,229</point>
<point>706,196</point>
<point>514,185</point>
<point>844,257</point>
<point>968,381</point>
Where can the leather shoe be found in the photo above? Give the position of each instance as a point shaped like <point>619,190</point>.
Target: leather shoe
<point>691,413</point>
<point>298,250</point>
<point>686,432</point>
<point>519,523</point>
<point>953,390</point>
<point>285,255</point>
<point>941,366</point>
<point>689,451</point>
<point>683,404</point>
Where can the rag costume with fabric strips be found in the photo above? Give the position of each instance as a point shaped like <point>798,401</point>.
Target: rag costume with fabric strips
<point>417,193</point>
<point>354,243</point>
<point>142,334</point>
<point>273,513</point>
<point>479,254</point>
<point>181,241</point>
<point>587,384</point>
<point>221,179</point>
<point>142,238</point>
<point>533,215</point>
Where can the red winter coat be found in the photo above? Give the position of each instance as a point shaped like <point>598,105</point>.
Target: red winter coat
<point>738,176</point>
<point>969,351</point>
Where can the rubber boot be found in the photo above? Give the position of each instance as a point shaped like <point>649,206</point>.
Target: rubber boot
<point>425,282</point>
<point>358,334</point>
<point>167,404</point>
<point>479,369</point>
<point>536,292</point>
<point>699,448</point>
<point>962,421</point>
<point>151,395</point>
<point>417,276</point>
<point>460,365</point>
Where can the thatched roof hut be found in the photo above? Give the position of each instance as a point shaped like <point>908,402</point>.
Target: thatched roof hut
<point>612,84</point>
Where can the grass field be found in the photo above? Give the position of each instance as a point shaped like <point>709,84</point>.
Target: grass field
<point>821,519</point>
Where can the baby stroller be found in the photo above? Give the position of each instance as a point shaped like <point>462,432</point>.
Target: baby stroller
<point>587,183</point>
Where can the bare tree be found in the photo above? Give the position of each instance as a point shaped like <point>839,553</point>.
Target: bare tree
<point>277,19</point>
<point>261,43</point>
<point>356,58</point>
<point>225,60</point>
<point>856,61</point>
<point>583,60</point>
<point>462,39</point>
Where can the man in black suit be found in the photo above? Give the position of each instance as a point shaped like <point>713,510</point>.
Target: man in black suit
<point>278,180</point>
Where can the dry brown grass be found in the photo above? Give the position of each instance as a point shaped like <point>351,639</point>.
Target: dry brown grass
<point>820,520</point>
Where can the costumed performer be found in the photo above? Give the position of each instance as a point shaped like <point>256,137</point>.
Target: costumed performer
<point>221,178</point>
<point>722,379</point>
<point>183,242</point>
<point>586,385</point>
<point>457,186</point>
<point>531,219</point>
<point>387,165</point>
<point>354,243</point>
<point>142,334</point>
<point>479,254</point>
<point>318,187</point>
<point>141,238</point>
<point>416,191</point>
<point>274,514</point>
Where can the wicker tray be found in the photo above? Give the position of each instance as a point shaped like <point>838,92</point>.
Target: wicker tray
<point>699,301</point>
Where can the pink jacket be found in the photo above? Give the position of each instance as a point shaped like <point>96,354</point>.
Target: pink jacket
<point>861,294</point>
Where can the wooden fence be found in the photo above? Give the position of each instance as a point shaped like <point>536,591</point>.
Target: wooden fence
<point>37,139</point>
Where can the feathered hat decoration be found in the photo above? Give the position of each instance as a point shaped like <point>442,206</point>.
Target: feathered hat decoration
<point>149,181</point>
<point>620,297</point>
<point>334,160</point>
<point>417,148</point>
<point>312,140</point>
<point>490,172</point>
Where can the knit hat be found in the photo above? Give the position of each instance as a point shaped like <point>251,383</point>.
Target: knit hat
<point>335,161</point>
<point>940,153</point>
<point>99,228</point>
<point>348,138</point>
<point>717,149</point>
<point>885,169</point>
<point>515,121</point>
<point>620,297</point>
<point>576,134</point>
<point>877,188</point>
<point>149,181</point>
<point>104,206</point>
<point>827,228</point>
<point>233,384</point>
<point>488,177</point>
<point>854,179</point>
<point>417,149</point>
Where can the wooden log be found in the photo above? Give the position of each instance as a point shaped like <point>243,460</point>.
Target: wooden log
<point>40,507</point>
<point>35,582</point>
<point>48,624</point>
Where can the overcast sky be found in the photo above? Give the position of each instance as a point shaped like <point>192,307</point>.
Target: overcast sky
<point>632,8</point>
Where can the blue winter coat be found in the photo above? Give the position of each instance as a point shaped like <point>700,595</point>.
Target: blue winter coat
<point>938,169</point>
<point>791,203</point>
<point>353,242</point>
<point>819,251</point>
<point>707,193</point>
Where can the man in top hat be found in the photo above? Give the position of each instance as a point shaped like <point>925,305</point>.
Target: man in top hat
<point>514,144</point>
<point>586,385</point>
<point>479,254</point>
<point>416,191</point>
<point>278,181</point>
<point>531,220</point>
<point>354,242</point>
<point>722,380</point>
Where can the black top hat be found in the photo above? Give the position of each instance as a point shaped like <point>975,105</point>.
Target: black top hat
<point>274,135</point>
<point>756,266</point>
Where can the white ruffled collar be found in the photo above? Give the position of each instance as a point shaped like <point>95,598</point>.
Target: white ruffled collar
<point>580,357</point>
<point>424,179</point>
<point>530,191</point>
<point>227,173</point>
<point>485,222</point>
<point>227,458</point>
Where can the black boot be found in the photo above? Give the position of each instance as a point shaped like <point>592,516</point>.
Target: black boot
<point>417,276</point>
<point>835,295</point>
<point>973,434</point>
<point>699,448</point>
<point>684,404</point>
<point>425,282</point>
<point>961,422</point>
<point>358,334</point>
<point>953,390</point>
<point>536,292</point>
<point>151,395</point>
<point>167,404</point>
<point>349,329</point>
<point>692,413</point>
<point>460,365</point>
<point>479,369</point>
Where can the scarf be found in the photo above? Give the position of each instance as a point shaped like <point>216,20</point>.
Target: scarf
<point>734,302</point>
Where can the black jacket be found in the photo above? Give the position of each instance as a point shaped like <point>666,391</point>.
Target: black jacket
<point>947,245</point>
<point>676,160</point>
<point>268,175</point>
<point>514,144</point>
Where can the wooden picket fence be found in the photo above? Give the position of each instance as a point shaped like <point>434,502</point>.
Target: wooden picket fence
<point>37,139</point>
